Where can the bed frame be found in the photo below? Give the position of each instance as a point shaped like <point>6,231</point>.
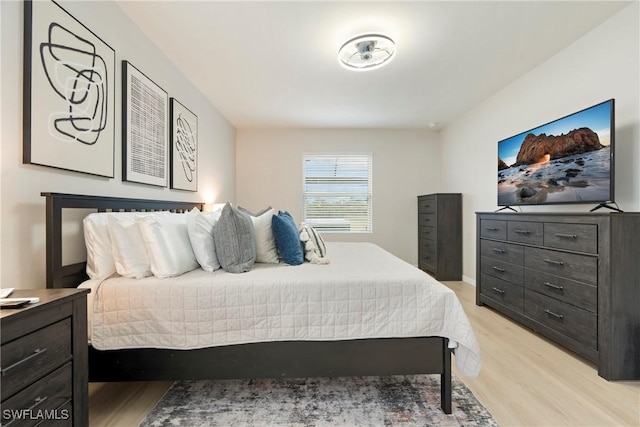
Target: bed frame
<point>384,356</point>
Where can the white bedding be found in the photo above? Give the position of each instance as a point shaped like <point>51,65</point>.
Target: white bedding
<point>365,292</point>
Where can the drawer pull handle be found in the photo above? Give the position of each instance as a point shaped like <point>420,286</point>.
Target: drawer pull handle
<point>37,402</point>
<point>36,352</point>
<point>554,262</point>
<point>552,286</point>
<point>492,229</point>
<point>556,315</point>
<point>498,269</point>
<point>500,291</point>
<point>566,236</point>
<point>498,250</point>
<point>521,231</point>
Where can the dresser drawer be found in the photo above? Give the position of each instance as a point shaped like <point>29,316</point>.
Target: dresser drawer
<point>574,237</point>
<point>427,257</point>
<point>427,220</point>
<point>580,325</point>
<point>582,268</point>
<point>428,246</point>
<point>504,292</point>
<point>425,232</point>
<point>525,232</point>
<point>506,252</point>
<point>51,394</point>
<point>28,358</point>
<point>493,229</point>
<point>427,204</point>
<point>502,270</point>
<point>567,290</point>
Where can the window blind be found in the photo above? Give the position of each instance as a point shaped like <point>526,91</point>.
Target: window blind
<point>337,192</point>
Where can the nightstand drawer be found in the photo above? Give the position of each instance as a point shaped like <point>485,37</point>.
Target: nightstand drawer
<point>32,356</point>
<point>49,395</point>
<point>574,237</point>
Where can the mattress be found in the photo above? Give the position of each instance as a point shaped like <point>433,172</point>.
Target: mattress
<point>365,292</point>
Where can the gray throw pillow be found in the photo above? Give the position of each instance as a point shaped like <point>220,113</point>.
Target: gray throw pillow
<point>235,240</point>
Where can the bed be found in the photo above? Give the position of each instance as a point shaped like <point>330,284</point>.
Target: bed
<point>340,349</point>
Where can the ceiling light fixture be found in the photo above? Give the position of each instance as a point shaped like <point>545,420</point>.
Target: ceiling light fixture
<point>367,52</point>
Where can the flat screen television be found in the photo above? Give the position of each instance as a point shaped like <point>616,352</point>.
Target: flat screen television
<point>568,160</point>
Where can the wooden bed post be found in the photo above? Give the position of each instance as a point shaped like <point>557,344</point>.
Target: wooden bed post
<point>445,379</point>
<point>53,240</point>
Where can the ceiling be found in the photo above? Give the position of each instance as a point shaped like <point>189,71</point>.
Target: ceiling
<point>273,64</point>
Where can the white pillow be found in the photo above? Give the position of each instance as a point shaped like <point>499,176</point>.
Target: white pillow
<point>168,244</point>
<point>100,262</point>
<point>200,227</point>
<point>266,250</point>
<point>100,259</point>
<point>129,250</point>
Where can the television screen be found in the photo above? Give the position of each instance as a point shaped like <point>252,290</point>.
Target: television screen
<point>569,160</point>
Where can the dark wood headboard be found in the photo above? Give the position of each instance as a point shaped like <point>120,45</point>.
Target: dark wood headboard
<point>70,276</point>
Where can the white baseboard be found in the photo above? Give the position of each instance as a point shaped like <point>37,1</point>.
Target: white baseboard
<point>469,281</point>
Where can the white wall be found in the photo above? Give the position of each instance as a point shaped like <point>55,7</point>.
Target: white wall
<point>602,64</point>
<point>22,213</point>
<point>405,165</point>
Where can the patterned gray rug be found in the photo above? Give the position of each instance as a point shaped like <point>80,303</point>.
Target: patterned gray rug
<point>412,400</point>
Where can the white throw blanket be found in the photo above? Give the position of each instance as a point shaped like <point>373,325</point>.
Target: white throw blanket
<point>365,292</point>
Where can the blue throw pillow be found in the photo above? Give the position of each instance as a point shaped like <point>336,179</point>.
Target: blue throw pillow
<point>287,238</point>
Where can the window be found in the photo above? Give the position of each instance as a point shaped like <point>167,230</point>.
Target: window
<point>336,192</point>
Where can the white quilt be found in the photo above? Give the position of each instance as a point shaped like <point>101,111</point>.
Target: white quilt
<point>365,292</point>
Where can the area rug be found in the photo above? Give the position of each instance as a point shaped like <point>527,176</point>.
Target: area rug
<point>412,400</point>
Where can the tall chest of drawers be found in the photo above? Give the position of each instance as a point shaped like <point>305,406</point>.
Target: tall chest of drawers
<point>574,278</point>
<point>44,359</point>
<point>440,235</point>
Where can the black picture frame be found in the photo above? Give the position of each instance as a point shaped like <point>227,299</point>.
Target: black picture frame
<point>68,93</point>
<point>145,129</point>
<point>184,147</point>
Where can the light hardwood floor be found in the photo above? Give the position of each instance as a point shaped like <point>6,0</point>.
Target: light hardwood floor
<point>525,380</point>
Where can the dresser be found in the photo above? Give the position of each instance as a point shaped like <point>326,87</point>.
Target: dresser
<point>574,278</point>
<point>440,235</point>
<point>44,359</point>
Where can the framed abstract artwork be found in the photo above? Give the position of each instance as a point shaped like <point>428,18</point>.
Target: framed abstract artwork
<point>184,148</point>
<point>69,93</point>
<point>145,129</point>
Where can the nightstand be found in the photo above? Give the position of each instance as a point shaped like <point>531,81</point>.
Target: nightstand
<point>44,359</point>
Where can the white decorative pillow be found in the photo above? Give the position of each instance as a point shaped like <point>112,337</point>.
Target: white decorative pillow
<point>129,250</point>
<point>266,250</point>
<point>168,244</point>
<point>100,262</point>
<point>200,227</point>
<point>315,251</point>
